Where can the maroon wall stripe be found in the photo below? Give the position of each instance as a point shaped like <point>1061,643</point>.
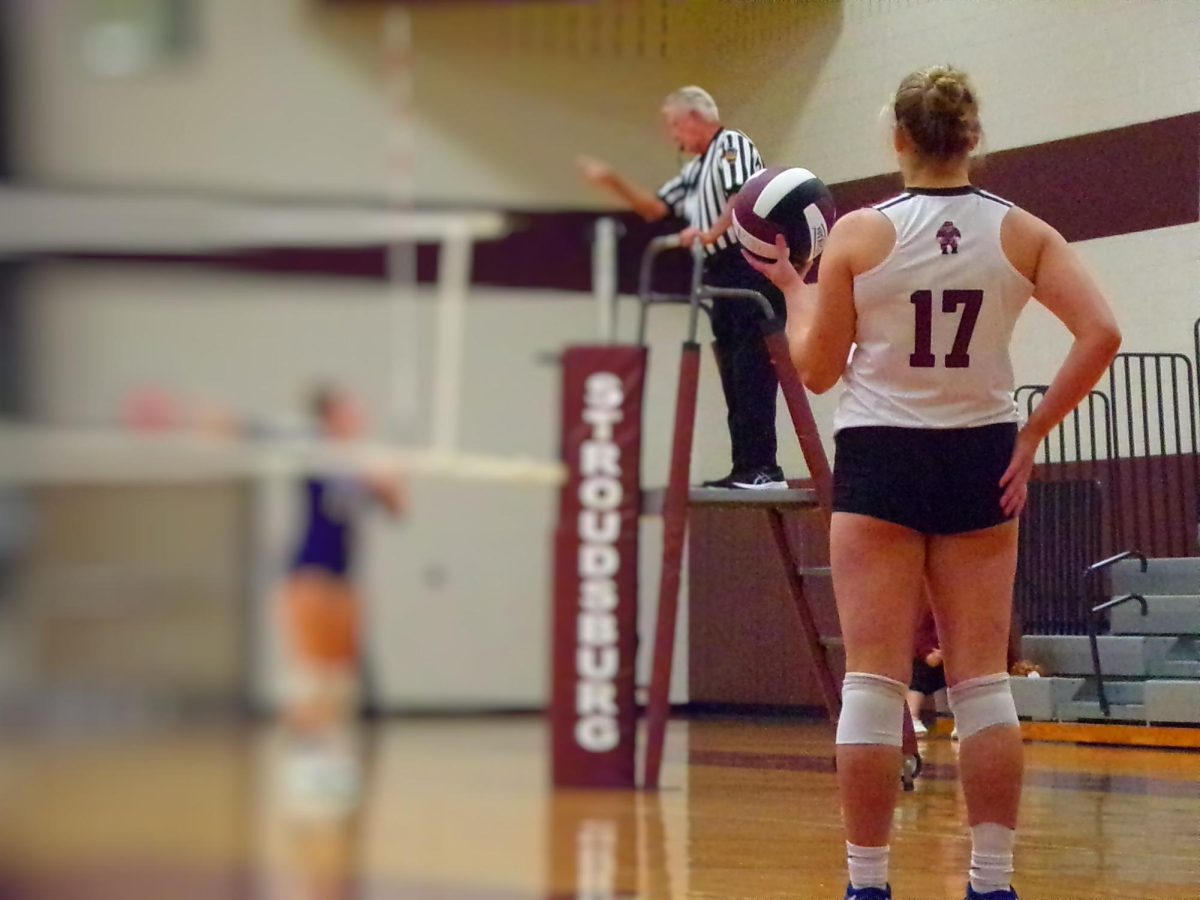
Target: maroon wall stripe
<point>1136,178</point>
<point>1114,182</point>
<point>553,250</point>
<point>1107,183</point>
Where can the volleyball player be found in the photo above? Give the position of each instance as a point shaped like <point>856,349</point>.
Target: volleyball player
<point>928,674</point>
<point>321,608</point>
<point>931,468</point>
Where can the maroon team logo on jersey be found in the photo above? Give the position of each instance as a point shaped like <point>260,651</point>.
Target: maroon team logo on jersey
<point>948,237</point>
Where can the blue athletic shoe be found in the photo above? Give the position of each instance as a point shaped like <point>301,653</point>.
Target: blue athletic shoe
<point>868,893</point>
<point>973,894</point>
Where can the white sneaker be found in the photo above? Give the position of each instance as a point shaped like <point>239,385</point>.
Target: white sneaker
<point>320,781</point>
<point>765,479</point>
<point>954,733</point>
<point>919,728</point>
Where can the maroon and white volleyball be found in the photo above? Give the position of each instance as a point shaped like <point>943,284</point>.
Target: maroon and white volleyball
<point>783,200</point>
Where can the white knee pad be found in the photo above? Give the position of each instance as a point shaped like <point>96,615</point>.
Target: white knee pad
<point>872,710</point>
<point>982,703</point>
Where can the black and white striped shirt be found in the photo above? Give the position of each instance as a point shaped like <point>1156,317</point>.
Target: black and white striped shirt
<point>698,193</point>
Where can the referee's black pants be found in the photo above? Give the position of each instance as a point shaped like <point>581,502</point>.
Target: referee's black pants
<point>747,376</point>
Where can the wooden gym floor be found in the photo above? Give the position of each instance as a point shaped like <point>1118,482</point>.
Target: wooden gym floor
<point>461,809</point>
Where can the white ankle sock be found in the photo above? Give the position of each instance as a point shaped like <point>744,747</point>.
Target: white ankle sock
<point>991,857</point>
<point>868,865</point>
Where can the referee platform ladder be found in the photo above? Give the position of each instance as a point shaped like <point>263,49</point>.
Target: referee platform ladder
<point>674,503</point>
<point>679,497</point>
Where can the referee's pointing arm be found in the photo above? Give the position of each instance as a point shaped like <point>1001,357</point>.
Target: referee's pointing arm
<point>641,201</point>
<point>702,190</point>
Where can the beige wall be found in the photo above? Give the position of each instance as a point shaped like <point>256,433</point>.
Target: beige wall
<point>263,105</point>
<point>1153,279</point>
<point>807,80</point>
<point>285,96</point>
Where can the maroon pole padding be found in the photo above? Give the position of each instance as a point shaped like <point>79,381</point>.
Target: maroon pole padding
<point>675,514</point>
<point>593,708</point>
<point>808,626</point>
<point>796,398</point>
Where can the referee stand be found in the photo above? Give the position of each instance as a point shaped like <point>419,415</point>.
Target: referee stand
<point>679,498</point>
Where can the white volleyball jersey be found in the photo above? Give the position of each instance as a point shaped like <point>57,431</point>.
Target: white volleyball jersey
<point>935,318</point>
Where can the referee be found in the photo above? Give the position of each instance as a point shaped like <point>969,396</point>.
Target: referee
<point>723,160</point>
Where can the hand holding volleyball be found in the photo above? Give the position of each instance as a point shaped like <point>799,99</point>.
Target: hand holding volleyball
<point>783,269</point>
<point>787,202</point>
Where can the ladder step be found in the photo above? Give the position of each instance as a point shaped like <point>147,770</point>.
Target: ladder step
<point>732,498</point>
<point>775,498</point>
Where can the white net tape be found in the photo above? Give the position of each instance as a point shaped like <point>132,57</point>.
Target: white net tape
<point>34,455</point>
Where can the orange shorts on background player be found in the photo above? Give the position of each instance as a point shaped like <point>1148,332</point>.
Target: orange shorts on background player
<point>322,616</point>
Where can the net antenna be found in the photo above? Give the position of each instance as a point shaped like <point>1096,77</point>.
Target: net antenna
<point>399,187</point>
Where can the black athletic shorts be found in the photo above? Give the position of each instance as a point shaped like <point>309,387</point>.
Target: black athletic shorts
<point>932,480</point>
<point>927,679</point>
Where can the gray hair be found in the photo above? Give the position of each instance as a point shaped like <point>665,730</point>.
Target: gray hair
<point>696,99</point>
